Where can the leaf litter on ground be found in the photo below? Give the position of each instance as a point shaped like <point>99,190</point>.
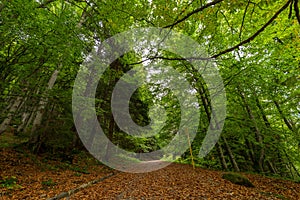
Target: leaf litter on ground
<point>38,179</point>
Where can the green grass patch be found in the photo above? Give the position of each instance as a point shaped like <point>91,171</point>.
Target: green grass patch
<point>10,183</point>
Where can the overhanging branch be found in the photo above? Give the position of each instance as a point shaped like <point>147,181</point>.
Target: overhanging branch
<point>194,12</point>
<point>256,33</point>
<point>296,8</point>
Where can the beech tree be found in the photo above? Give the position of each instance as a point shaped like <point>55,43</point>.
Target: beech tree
<point>255,45</point>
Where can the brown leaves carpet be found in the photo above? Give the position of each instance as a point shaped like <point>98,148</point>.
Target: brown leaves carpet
<point>38,180</point>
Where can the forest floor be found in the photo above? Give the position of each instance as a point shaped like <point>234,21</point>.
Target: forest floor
<point>25,176</point>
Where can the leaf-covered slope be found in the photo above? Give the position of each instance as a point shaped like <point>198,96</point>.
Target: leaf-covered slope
<point>42,180</point>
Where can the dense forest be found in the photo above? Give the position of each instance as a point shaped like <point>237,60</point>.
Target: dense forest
<point>253,44</point>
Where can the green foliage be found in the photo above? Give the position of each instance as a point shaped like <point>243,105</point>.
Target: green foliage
<point>260,76</point>
<point>10,183</point>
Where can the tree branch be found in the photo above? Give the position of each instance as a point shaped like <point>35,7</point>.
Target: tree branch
<point>296,8</point>
<point>291,11</point>
<point>255,34</point>
<point>193,12</point>
<point>43,5</point>
<point>232,48</point>
<point>73,191</point>
<point>244,16</point>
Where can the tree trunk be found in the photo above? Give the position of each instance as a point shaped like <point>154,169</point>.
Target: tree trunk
<point>258,134</point>
<point>286,121</point>
<point>110,137</point>
<point>262,112</point>
<point>222,157</point>
<point>271,167</point>
<point>42,105</point>
<point>251,154</point>
<point>231,156</point>
<point>25,118</point>
<point>26,128</point>
<point>291,164</point>
<point>43,102</point>
<point>4,125</point>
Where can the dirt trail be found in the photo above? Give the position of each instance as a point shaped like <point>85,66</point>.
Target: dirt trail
<point>38,180</point>
<point>179,181</point>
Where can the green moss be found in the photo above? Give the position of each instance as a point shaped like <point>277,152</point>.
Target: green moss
<point>238,179</point>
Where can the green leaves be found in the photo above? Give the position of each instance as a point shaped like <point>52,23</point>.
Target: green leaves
<point>259,62</point>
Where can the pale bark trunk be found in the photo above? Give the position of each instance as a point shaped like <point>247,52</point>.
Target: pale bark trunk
<point>43,102</point>
<point>26,128</point>
<point>25,118</point>
<point>4,125</point>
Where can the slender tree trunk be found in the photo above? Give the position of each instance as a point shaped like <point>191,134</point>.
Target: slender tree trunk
<point>291,164</point>
<point>4,125</point>
<point>205,101</point>
<point>41,136</point>
<point>78,119</point>
<point>257,133</point>
<point>28,123</point>
<point>251,152</point>
<point>271,167</point>
<point>42,105</point>
<point>87,93</point>
<point>222,157</point>
<point>262,112</point>
<point>286,121</point>
<point>90,140</point>
<point>231,156</point>
<point>110,137</point>
<point>268,125</point>
<point>25,118</point>
<point>10,104</point>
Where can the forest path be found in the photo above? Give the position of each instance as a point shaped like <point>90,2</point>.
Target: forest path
<point>38,179</point>
<point>180,181</point>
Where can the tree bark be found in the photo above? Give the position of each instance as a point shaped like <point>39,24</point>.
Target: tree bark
<point>222,157</point>
<point>271,167</point>
<point>25,118</point>
<point>231,156</point>
<point>258,134</point>
<point>4,125</point>
<point>42,105</point>
<point>110,137</point>
<point>262,112</point>
<point>286,121</point>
